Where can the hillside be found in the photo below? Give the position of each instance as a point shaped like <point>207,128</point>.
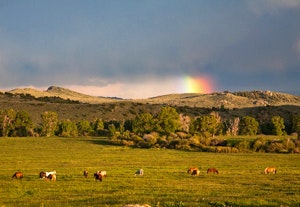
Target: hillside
<point>228,100</point>
<point>76,106</point>
<point>54,91</point>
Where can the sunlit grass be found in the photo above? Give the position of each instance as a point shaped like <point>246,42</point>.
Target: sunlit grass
<point>241,181</point>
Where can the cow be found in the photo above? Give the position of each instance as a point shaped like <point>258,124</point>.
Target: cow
<point>212,170</point>
<point>270,170</point>
<point>48,173</point>
<point>139,172</point>
<point>98,176</point>
<point>42,175</point>
<point>18,175</point>
<point>103,173</point>
<point>51,177</point>
<point>194,171</point>
<point>85,173</point>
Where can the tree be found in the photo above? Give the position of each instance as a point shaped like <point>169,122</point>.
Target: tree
<point>113,131</point>
<point>49,123</point>
<point>277,125</point>
<point>232,126</point>
<point>98,126</point>
<point>143,123</point>
<point>168,120</point>
<point>84,128</point>
<point>23,124</point>
<point>7,118</point>
<point>206,125</point>
<point>185,122</point>
<point>67,128</point>
<point>248,126</point>
<point>296,124</point>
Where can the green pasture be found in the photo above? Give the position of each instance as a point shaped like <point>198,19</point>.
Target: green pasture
<point>166,183</point>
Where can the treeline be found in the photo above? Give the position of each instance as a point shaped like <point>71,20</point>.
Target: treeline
<point>166,129</point>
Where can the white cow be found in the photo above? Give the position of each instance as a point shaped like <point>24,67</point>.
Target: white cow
<point>102,172</point>
<point>139,172</point>
<point>50,173</point>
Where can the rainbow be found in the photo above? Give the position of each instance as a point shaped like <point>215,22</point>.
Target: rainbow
<point>197,85</point>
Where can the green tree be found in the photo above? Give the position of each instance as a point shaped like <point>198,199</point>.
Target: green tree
<point>23,125</point>
<point>113,131</point>
<point>84,128</point>
<point>296,124</point>
<point>7,118</point>
<point>98,126</point>
<point>248,126</point>
<point>206,125</point>
<point>168,120</point>
<point>67,128</point>
<point>143,123</point>
<point>49,123</point>
<point>277,125</point>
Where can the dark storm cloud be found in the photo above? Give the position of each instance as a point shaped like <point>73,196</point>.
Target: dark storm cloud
<point>244,44</point>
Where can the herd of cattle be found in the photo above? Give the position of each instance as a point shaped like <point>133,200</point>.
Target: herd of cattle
<point>99,175</point>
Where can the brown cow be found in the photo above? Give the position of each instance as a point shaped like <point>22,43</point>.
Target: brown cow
<point>18,175</point>
<point>85,173</point>
<point>194,171</point>
<point>212,170</point>
<point>270,170</point>
<point>42,175</point>
<point>51,177</point>
<point>98,176</point>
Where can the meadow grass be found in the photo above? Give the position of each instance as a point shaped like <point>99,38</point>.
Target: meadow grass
<point>241,181</point>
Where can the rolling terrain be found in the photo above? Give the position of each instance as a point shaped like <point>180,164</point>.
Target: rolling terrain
<point>76,106</point>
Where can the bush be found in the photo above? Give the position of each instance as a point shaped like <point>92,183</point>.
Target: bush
<point>243,146</point>
<point>289,144</point>
<point>276,147</point>
<point>150,138</point>
<point>259,145</point>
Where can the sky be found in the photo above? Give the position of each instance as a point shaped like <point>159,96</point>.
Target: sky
<point>146,48</point>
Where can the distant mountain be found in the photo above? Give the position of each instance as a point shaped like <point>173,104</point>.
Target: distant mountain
<point>225,99</point>
<point>76,106</point>
<point>55,91</point>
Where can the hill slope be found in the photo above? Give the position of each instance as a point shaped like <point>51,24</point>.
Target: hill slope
<point>75,106</point>
<point>54,91</point>
<point>228,100</point>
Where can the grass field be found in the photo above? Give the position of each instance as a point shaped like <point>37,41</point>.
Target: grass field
<point>241,181</point>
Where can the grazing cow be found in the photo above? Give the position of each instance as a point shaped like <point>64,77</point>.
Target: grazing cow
<point>51,177</point>
<point>98,176</point>
<point>139,172</point>
<point>48,173</point>
<point>212,170</point>
<point>42,175</point>
<point>194,171</point>
<point>85,173</point>
<point>18,175</point>
<point>270,170</point>
<point>103,173</point>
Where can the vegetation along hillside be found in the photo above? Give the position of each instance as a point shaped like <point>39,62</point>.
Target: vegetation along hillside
<point>181,121</point>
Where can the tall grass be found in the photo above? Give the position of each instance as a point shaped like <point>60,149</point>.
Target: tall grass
<point>241,181</point>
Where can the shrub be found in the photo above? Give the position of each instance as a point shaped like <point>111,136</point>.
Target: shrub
<point>150,138</point>
<point>259,145</point>
<point>243,146</point>
<point>289,144</point>
<point>276,147</point>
